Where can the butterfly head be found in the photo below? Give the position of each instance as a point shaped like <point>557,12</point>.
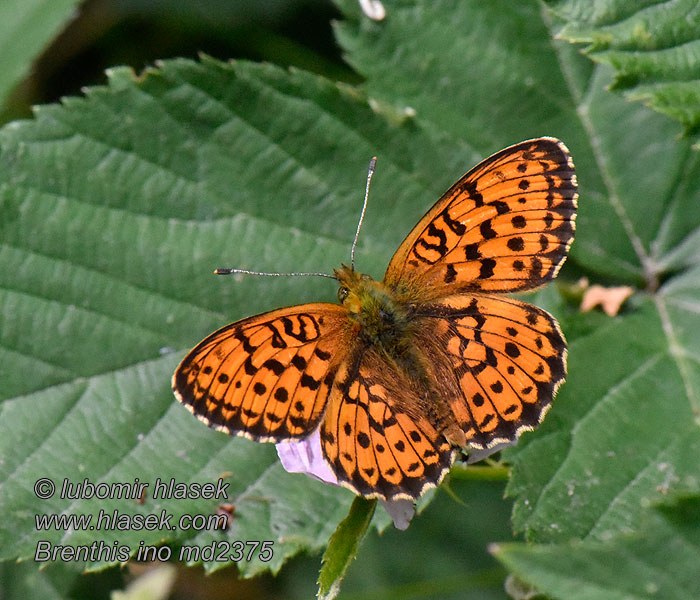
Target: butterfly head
<point>351,287</point>
<point>371,305</point>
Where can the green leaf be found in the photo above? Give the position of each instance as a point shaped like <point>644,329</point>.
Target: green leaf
<point>490,75</point>
<point>26,28</point>
<point>342,547</point>
<point>115,208</point>
<point>627,437</point>
<point>654,47</point>
<point>481,73</point>
<point>658,561</point>
<point>94,306</point>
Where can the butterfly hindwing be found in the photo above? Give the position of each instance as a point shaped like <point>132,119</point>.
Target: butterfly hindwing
<point>373,446</point>
<point>507,357</point>
<point>505,226</point>
<point>266,377</point>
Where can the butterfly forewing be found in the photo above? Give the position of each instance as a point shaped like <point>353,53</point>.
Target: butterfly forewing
<point>505,226</point>
<point>266,377</point>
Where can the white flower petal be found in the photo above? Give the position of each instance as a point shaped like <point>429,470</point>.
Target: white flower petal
<point>374,9</point>
<point>306,456</point>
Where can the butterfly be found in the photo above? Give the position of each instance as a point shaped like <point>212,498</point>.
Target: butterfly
<point>406,371</point>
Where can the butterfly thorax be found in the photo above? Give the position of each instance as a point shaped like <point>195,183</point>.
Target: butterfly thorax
<point>380,318</point>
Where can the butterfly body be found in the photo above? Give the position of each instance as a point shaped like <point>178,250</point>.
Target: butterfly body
<point>383,323</point>
<point>407,370</point>
<point>377,315</point>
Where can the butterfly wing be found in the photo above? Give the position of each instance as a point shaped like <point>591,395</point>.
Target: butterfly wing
<point>505,226</point>
<point>374,446</point>
<point>500,362</point>
<point>266,377</point>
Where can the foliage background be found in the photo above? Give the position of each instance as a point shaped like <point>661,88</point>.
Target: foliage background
<point>116,203</point>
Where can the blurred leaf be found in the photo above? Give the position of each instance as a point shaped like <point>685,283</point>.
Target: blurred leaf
<point>659,561</point>
<point>452,537</point>
<point>26,28</point>
<point>654,47</point>
<point>24,580</point>
<point>343,545</point>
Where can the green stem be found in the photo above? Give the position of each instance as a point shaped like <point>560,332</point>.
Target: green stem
<point>495,472</point>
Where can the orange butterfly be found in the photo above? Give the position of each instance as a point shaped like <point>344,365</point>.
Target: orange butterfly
<point>435,357</point>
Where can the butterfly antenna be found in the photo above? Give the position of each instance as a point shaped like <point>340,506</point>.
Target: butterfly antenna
<point>246,272</point>
<point>370,172</point>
